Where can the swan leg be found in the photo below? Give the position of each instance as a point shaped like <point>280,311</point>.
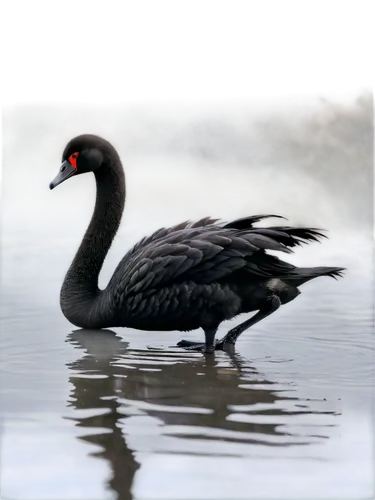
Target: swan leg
<point>209,346</point>
<point>270,306</point>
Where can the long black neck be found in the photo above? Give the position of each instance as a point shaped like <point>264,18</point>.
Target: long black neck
<point>80,295</point>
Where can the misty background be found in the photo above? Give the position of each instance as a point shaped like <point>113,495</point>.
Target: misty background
<point>309,157</point>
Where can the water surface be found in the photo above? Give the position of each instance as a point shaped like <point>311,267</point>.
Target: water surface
<point>123,413</point>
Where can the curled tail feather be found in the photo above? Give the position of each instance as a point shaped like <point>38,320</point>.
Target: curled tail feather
<point>286,235</point>
<point>301,275</point>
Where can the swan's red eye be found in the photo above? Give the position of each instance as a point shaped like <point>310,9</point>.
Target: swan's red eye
<point>73,159</point>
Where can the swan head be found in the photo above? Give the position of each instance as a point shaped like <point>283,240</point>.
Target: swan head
<point>85,153</point>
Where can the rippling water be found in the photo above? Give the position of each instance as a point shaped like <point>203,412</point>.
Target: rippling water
<point>124,413</point>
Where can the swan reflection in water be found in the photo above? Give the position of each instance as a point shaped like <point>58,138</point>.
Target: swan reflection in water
<point>201,405</point>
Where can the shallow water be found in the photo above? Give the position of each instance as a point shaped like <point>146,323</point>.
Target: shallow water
<point>124,414</point>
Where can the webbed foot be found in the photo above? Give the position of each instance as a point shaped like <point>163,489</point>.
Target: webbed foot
<point>201,346</point>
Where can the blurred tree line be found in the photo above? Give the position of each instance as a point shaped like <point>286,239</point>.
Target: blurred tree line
<point>329,154</point>
<point>317,147</point>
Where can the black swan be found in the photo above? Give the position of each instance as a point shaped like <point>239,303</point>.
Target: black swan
<point>181,278</point>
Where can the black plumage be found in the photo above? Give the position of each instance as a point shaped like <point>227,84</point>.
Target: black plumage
<point>192,275</point>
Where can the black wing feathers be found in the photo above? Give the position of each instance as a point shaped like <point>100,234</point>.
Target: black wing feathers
<point>205,252</point>
<point>163,232</point>
<point>247,222</point>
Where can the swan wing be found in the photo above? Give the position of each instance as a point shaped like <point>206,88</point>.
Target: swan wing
<point>165,231</point>
<point>200,254</point>
<point>206,252</point>
<point>244,223</point>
